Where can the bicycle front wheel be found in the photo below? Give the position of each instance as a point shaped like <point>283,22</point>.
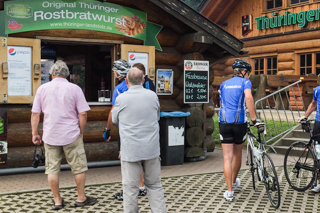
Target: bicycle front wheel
<point>299,166</point>
<point>271,181</point>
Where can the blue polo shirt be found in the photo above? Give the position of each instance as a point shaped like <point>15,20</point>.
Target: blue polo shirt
<point>232,96</point>
<point>316,97</point>
<point>148,84</point>
<point>120,88</point>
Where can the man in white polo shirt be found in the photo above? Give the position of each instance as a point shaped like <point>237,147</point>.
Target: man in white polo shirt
<point>65,115</point>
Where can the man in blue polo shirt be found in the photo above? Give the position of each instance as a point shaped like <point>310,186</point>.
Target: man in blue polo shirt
<point>234,94</point>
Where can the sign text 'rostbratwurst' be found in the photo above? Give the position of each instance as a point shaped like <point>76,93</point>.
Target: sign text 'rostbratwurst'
<point>196,81</point>
<point>22,16</point>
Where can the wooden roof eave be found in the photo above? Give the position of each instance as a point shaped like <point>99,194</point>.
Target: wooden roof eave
<point>200,23</point>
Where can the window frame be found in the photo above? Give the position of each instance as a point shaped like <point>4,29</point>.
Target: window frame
<point>313,53</point>
<point>265,69</point>
<point>274,3</point>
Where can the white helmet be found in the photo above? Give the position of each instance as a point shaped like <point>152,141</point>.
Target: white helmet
<point>121,67</point>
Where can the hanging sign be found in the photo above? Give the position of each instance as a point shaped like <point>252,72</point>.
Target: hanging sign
<point>196,81</point>
<point>3,136</point>
<point>246,24</point>
<point>22,16</point>
<point>19,71</point>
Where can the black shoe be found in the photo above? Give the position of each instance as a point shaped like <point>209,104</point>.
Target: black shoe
<point>143,192</point>
<point>118,196</point>
<point>90,201</point>
<point>58,207</point>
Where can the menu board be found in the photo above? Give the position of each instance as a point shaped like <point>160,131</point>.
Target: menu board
<point>19,71</point>
<point>196,81</point>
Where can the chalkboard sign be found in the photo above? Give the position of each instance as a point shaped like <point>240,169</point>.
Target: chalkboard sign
<point>196,81</point>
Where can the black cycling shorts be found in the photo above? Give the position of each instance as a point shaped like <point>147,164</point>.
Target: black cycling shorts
<point>233,133</point>
<point>316,130</point>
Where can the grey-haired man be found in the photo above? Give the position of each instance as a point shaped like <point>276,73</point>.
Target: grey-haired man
<point>140,147</point>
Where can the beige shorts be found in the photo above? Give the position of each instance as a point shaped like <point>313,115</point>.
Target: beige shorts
<point>74,153</point>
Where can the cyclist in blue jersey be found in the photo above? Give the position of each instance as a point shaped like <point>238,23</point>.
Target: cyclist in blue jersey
<point>235,97</point>
<point>315,104</point>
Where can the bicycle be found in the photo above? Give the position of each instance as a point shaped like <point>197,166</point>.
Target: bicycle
<point>259,160</point>
<point>301,167</point>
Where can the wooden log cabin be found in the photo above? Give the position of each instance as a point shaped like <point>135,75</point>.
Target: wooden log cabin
<point>184,35</point>
<point>281,39</point>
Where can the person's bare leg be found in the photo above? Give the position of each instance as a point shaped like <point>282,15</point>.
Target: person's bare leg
<point>53,180</point>
<point>227,150</point>
<point>80,181</point>
<point>236,163</point>
<point>141,183</point>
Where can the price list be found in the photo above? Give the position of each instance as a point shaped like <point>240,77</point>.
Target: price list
<point>196,86</point>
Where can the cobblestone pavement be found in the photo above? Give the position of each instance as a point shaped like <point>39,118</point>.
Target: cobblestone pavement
<point>201,193</point>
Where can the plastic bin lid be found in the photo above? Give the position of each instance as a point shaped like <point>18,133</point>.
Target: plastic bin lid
<point>174,114</point>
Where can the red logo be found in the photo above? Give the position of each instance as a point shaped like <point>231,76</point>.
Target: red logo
<point>188,65</point>
<point>13,25</point>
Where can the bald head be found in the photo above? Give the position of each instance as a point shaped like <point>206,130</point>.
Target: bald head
<point>135,77</point>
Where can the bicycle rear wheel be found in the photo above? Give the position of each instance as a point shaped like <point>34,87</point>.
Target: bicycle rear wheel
<point>271,181</point>
<point>251,164</point>
<point>299,166</point>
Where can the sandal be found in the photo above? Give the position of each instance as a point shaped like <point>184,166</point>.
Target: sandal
<point>58,207</point>
<point>90,201</point>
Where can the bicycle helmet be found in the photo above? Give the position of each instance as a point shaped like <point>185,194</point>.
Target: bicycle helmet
<point>121,67</point>
<point>240,64</point>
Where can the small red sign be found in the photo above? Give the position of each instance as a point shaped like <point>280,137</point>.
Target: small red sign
<point>13,25</point>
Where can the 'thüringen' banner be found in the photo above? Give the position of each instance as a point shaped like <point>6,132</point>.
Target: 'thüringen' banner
<point>22,16</point>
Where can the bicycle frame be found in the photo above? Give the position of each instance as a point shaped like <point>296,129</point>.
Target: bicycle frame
<point>256,151</point>
<point>311,144</point>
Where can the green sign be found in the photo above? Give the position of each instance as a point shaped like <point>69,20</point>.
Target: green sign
<point>2,33</point>
<point>22,16</point>
<point>302,18</point>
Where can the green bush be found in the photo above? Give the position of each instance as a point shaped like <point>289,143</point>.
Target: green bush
<point>275,128</point>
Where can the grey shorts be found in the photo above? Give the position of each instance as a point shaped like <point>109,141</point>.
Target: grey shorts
<point>74,153</point>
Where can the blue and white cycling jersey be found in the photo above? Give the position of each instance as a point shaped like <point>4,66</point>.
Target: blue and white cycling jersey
<point>232,102</point>
<point>316,97</point>
<point>120,88</point>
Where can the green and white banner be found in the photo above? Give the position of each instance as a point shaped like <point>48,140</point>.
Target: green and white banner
<point>22,16</point>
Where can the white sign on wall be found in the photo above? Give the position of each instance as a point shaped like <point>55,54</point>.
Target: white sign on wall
<point>19,71</point>
<point>143,58</point>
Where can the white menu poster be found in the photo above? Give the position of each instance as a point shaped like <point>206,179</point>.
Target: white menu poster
<point>19,71</point>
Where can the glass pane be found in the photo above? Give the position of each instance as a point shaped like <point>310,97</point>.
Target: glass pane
<point>268,63</point>
<point>317,70</point>
<point>304,0</point>
<point>261,64</point>
<point>256,64</point>
<point>302,61</point>
<point>261,72</point>
<point>318,58</point>
<point>302,71</point>
<point>274,63</point>
<point>268,72</point>
<point>309,60</point>
<point>256,73</point>
<point>309,70</point>
<point>274,72</point>
<point>278,3</point>
<point>294,1</point>
<point>269,4</point>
